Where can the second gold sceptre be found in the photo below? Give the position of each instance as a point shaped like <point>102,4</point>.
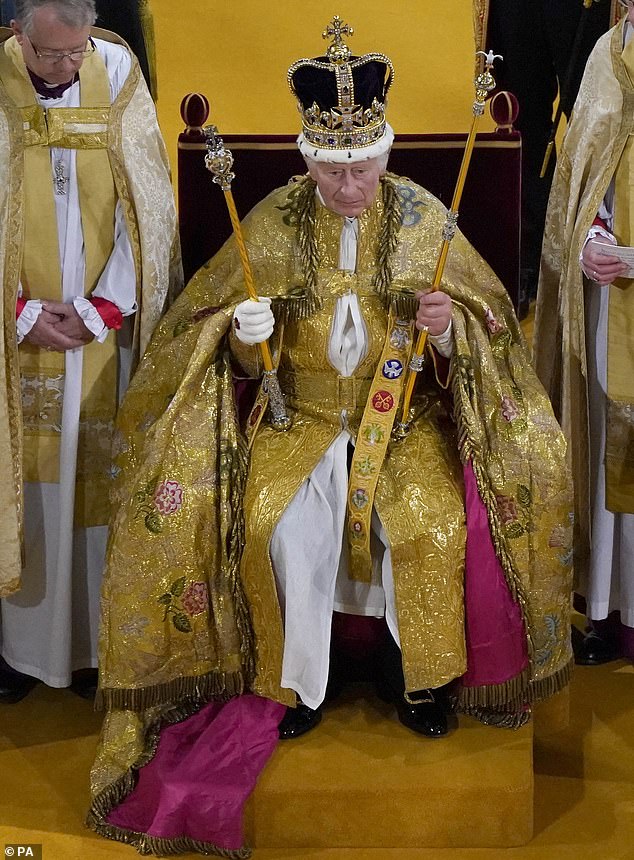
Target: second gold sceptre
<point>484,83</point>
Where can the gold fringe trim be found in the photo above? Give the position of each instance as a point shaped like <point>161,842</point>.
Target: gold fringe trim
<point>115,793</point>
<point>215,685</point>
<point>404,302</point>
<point>145,844</point>
<point>508,705</point>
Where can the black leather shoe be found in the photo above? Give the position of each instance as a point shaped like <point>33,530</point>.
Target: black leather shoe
<point>426,718</point>
<point>297,721</point>
<point>14,686</point>
<point>596,650</point>
<point>85,683</point>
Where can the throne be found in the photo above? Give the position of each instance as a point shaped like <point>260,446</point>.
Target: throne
<point>489,211</point>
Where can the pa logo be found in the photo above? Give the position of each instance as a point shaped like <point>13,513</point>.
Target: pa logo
<point>392,368</point>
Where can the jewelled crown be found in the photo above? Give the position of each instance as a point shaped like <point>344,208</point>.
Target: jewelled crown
<point>341,99</point>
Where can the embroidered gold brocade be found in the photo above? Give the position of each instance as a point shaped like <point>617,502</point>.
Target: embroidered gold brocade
<point>178,425</point>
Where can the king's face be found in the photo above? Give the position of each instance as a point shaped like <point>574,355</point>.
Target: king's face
<point>347,189</point>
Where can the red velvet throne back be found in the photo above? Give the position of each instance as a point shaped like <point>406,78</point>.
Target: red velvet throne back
<point>489,211</point>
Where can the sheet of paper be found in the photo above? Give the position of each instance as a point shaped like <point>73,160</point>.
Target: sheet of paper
<point>625,253</point>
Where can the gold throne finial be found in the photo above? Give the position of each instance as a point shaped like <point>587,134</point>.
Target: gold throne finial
<point>338,52</point>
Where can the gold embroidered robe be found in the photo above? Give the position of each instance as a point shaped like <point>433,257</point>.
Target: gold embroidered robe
<point>189,607</point>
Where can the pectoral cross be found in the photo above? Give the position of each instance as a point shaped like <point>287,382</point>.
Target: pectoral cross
<point>60,178</point>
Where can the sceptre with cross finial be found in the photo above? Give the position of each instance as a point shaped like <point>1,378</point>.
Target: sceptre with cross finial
<point>219,160</point>
<point>484,83</point>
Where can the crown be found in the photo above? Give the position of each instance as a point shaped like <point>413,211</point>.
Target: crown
<point>341,98</point>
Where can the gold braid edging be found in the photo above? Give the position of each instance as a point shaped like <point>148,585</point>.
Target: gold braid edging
<point>462,387</point>
<point>237,485</point>
<point>197,688</point>
<point>388,237</point>
<point>305,301</point>
<point>508,705</point>
<point>116,793</point>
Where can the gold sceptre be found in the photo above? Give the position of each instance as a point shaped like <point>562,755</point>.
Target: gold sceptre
<point>219,161</point>
<point>484,83</point>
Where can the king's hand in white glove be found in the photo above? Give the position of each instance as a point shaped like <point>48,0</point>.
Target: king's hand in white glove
<point>253,322</point>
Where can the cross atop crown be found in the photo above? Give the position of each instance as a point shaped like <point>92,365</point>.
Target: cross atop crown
<point>338,52</point>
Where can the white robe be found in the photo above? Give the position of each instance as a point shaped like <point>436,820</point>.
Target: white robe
<point>49,628</point>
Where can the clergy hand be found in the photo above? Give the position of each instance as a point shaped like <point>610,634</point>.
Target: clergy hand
<point>253,322</point>
<point>434,311</point>
<point>69,323</point>
<point>46,334</point>
<point>599,267</point>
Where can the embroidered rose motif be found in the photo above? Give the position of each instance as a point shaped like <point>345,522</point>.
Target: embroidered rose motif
<point>507,509</point>
<point>492,324</point>
<point>196,598</point>
<point>509,408</point>
<point>168,497</point>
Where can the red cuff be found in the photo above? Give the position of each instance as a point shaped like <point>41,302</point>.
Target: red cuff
<point>109,312</point>
<point>19,306</point>
<point>599,222</point>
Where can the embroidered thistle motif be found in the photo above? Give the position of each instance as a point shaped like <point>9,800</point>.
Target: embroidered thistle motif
<point>409,206</point>
<point>360,498</point>
<point>182,603</point>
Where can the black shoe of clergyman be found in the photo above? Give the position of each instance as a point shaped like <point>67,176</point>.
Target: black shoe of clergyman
<point>426,718</point>
<point>596,650</point>
<point>297,721</point>
<point>85,683</point>
<point>14,686</point>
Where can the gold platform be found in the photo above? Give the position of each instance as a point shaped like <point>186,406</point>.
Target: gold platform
<point>361,779</point>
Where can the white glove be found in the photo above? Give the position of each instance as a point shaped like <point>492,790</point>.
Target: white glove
<point>253,322</point>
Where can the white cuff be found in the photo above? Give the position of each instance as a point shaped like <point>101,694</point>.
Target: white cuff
<point>443,343</point>
<point>91,318</point>
<point>27,319</point>
<point>593,232</point>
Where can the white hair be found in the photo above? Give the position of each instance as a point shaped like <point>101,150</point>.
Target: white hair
<point>73,13</point>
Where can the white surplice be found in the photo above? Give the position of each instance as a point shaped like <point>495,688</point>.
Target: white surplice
<point>49,628</point>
